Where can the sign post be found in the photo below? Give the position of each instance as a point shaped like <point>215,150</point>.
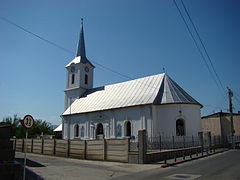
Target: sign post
<point>27,123</point>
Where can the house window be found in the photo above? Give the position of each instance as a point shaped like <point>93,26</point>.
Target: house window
<point>76,130</point>
<point>180,127</point>
<point>128,129</point>
<point>82,132</point>
<point>86,79</point>
<point>73,78</point>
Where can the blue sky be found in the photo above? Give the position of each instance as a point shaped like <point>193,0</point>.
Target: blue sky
<point>136,38</point>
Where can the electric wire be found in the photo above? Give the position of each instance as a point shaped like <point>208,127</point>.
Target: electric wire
<point>71,52</point>
<point>198,47</point>
<point>201,42</point>
<point>60,47</point>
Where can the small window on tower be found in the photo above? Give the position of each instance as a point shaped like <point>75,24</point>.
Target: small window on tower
<point>86,79</point>
<point>73,78</point>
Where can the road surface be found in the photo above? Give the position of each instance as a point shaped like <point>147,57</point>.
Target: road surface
<point>222,166</point>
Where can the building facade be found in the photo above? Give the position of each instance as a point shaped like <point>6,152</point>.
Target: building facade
<point>219,124</point>
<point>155,103</point>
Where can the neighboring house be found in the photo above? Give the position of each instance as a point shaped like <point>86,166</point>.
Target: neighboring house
<point>155,103</point>
<point>219,124</point>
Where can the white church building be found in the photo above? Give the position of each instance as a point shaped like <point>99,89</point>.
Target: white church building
<point>155,103</point>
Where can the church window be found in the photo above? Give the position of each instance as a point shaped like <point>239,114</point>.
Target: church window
<point>73,78</point>
<point>86,79</point>
<point>128,128</point>
<point>76,130</point>
<point>180,127</point>
<point>82,132</point>
<point>119,131</point>
<point>99,131</point>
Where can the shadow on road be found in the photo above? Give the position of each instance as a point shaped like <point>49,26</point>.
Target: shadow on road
<point>29,162</point>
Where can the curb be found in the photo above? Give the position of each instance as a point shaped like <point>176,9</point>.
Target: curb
<point>31,174</point>
<point>190,159</point>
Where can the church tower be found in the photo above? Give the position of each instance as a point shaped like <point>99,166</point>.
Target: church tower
<point>79,73</point>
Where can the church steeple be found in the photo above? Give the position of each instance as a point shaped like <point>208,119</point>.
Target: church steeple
<point>79,73</point>
<point>81,44</point>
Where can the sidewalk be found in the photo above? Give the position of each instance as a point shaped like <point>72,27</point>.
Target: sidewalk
<point>58,168</point>
<point>180,160</point>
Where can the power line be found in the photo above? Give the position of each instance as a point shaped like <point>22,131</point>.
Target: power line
<point>71,52</point>
<point>34,34</point>
<point>67,50</point>
<point>60,47</point>
<point>204,47</point>
<point>197,46</point>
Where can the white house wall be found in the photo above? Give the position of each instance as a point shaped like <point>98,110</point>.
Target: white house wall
<point>165,117</point>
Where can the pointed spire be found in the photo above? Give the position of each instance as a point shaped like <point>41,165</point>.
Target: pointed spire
<point>81,44</point>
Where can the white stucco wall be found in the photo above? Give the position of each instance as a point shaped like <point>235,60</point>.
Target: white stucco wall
<point>139,116</point>
<point>165,117</point>
<point>156,119</point>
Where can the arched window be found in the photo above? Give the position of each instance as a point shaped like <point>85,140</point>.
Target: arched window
<point>86,79</point>
<point>82,132</point>
<point>180,127</point>
<point>128,129</point>
<point>99,131</point>
<point>73,78</point>
<point>76,130</point>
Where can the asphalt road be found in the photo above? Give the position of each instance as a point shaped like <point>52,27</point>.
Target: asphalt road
<point>223,166</point>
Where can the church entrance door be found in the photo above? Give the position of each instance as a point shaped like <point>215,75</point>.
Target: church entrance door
<point>99,131</point>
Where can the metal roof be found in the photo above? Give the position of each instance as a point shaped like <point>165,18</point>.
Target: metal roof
<point>79,59</point>
<point>81,52</point>
<point>59,128</point>
<point>156,89</point>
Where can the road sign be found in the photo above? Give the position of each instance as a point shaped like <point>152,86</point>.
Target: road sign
<point>28,122</point>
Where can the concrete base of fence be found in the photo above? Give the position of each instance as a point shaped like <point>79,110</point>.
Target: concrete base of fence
<point>191,159</point>
<point>170,154</point>
<point>133,158</point>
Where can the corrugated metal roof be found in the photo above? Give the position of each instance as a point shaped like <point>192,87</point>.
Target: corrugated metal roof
<point>156,89</point>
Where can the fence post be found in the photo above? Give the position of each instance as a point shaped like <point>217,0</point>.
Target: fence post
<point>192,141</point>
<point>210,141</point>
<point>214,142</point>
<point>54,147</point>
<point>23,144</point>
<point>173,142</point>
<point>68,148</point>
<point>142,146</point>
<point>160,142</point>
<point>200,135</point>
<point>184,142</point>
<point>85,149</point>
<point>42,146</point>
<point>15,143</point>
<point>32,145</point>
<point>104,149</point>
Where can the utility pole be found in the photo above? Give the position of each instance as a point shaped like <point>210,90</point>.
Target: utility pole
<point>230,95</point>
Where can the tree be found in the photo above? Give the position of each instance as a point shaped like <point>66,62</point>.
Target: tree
<point>40,127</point>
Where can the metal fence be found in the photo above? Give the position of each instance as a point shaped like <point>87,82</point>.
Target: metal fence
<point>172,142</point>
<point>160,143</point>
